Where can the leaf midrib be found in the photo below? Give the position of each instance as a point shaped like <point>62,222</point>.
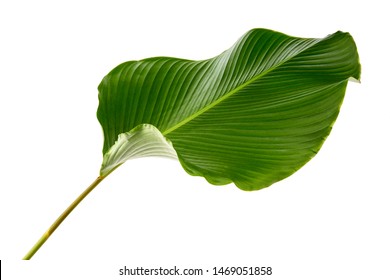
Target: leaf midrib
<point>235,90</point>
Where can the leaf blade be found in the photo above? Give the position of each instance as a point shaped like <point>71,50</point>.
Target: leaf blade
<point>265,78</point>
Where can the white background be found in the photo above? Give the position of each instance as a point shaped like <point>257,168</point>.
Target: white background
<point>330,220</point>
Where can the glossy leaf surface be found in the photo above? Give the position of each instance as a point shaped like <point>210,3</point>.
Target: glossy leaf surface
<point>253,115</point>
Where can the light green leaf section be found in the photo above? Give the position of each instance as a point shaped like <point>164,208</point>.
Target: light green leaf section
<point>142,141</point>
<point>253,115</point>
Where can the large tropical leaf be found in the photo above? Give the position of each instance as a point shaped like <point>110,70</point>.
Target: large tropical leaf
<point>253,115</point>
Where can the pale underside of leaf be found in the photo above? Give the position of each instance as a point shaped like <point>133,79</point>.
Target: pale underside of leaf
<point>252,115</point>
<point>142,141</point>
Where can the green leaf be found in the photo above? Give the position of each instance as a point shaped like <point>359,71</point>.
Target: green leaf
<point>253,115</point>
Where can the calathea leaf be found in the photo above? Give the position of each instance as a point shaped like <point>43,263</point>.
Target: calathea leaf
<point>253,115</point>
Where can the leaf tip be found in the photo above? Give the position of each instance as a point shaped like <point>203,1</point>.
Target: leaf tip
<point>354,80</point>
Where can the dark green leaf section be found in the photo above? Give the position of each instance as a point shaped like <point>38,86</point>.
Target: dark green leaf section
<point>252,115</point>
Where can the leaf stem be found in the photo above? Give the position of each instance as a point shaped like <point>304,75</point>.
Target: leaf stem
<point>61,218</point>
